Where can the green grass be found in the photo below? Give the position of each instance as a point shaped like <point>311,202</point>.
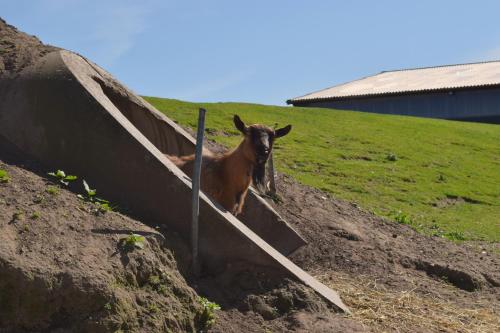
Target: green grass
<point>54,190</point>
<point>4,176</point>
<point>443,176</point>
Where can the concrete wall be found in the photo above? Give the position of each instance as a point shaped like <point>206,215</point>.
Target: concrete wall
<point>171,139</point>
<point>482,105</point>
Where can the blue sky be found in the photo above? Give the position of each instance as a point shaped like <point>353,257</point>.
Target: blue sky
<point>259,51</point>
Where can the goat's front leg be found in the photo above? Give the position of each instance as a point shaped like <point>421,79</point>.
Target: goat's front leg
<point>240,200</point>
<point>227,200</point>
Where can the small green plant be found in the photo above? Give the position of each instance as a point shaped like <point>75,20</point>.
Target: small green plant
<point>53,190</point>
<point>436,231</point>
<point>62,177</point>
<point>153,308</point>
<point>154,280</point>
<point>91,195</point>
<point>455,236</point>
<point>103,206</point>
<point>4,176</point>
<point>391,157</point>
<point>162,289</point>
<point>208,315</point>
<point>402,218</point>
<point>38,198</point>
<point>108,306</point>
<point>133,241</point>
<point>275,197</point>
<point>158,283</point>
<point>88,191</point>
<point>35,216</point>
<point>441,178</point>
<point>17,216</point>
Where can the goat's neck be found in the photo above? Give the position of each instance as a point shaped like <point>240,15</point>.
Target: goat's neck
<point>237,160</point>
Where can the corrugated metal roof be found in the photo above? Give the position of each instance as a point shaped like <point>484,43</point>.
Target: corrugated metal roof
<point>413,80</point>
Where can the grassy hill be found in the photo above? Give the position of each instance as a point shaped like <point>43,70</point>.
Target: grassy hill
<point>441,177</point>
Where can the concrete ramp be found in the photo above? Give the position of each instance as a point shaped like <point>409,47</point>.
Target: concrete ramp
<point>71,114</point>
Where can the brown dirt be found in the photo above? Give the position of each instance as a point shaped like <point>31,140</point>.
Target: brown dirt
<point>285,307</point>
<point>18,50</point>
<point>351,247</point>
<point>60,251</point>
<point>343,237</point>
<point>63,266</point>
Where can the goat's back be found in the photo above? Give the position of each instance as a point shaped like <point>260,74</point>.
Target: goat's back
<point>186,163</point>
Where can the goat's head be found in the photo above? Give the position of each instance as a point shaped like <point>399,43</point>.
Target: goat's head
<point>258,144</point>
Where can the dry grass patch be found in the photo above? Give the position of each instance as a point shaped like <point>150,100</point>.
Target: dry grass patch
<point>385,310</point>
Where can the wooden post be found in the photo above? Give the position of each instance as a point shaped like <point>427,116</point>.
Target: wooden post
<point>196,192</point>
<point>270,175</point>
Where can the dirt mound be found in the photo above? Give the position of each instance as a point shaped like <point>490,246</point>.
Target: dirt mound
<point>63,267</point>
<point>351,245</point>
<point>63,264</point>
<point>343,237</point>
<point>256,302</point>
<point>18,50</point>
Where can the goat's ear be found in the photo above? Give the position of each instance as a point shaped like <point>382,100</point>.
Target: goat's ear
<point>282,131</point>
<point>240,125</point>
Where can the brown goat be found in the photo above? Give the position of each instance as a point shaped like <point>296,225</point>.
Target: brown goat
<point>226,177</point>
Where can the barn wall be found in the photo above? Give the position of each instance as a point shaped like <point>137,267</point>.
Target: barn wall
<point>471,105</point>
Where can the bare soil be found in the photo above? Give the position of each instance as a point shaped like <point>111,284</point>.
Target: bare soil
<point>349,246</point>
<point>343,237</point>
<point>18,50</point>
<point>63,266</point>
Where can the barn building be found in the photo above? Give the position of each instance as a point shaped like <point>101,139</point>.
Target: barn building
<point>469,92</point>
